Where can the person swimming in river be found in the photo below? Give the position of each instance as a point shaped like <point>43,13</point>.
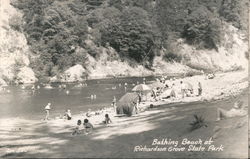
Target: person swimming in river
<point>88,126</point>
<point>93,96</point>
<point>67,92</point>
<point>237,110</point>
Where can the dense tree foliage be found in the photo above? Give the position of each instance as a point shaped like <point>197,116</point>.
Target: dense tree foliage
<point>131,35</point>
<point>235,11</point>
<point>57,30</point>
<point>202,28</point>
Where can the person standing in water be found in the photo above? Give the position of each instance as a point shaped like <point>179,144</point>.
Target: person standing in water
<point>125,86</point>
<point>114,103</point>
<point>33,89</point>
<point>47,109</point>
<point>67,92</point>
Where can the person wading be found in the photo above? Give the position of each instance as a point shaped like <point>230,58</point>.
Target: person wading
<point>47,109</point>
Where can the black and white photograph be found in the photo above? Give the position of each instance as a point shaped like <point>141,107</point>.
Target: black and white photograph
<point>124,78</point>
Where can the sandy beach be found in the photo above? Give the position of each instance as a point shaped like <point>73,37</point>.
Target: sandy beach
<point>170,119</point>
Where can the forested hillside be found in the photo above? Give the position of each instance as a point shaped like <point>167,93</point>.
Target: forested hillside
<point>63,33</point>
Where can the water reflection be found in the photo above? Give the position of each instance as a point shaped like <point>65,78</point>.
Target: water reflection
<point>29,100</point>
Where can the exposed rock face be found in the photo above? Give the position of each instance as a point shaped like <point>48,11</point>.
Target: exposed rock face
<point>26,75</point>
<point>74,74</point>
<point>162,67</point>
<point>14,51</point>
<point>230,55</point>
<point>110,65</point>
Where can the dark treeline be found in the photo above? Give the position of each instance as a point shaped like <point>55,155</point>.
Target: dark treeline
<point>57,30</point>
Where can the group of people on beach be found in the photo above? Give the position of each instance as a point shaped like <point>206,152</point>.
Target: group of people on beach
<point>67,115</point>
<point>81,127</point>
<point>86,126</point>
<point>170,89</point>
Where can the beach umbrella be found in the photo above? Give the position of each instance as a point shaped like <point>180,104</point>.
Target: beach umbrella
<point>129,98</point>
<point>157,84</point>
<point>168,93</point>
<point>141,87</point>
<point>189,86</point>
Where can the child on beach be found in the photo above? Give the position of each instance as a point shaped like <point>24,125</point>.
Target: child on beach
<point>90,113</point>
<point>67,115</point>
<point>107,119</point>
<point>237,110</point>
<point>77,129</point>
<point>88,126</point>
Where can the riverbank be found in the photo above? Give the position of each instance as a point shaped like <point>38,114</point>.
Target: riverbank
<point>29,138</point>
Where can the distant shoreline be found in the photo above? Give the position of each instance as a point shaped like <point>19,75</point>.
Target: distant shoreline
<point>196,99</point>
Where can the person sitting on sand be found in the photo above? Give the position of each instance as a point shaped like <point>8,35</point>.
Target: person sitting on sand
<point>67,115</point>
<point>77,129</point>
<point>88,126</point>
<point>47,109</point>
<point>237,110</point>
<point>107,119</point>
<point>89,113</point>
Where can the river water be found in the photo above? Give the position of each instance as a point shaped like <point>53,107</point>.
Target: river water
<point>18,102</point>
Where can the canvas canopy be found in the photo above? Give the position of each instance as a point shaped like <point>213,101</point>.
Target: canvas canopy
<point>168,93</point>
<point>141,87</point>
<point>188,86</point>
<point>126,104</point>
<point>157,84</point>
